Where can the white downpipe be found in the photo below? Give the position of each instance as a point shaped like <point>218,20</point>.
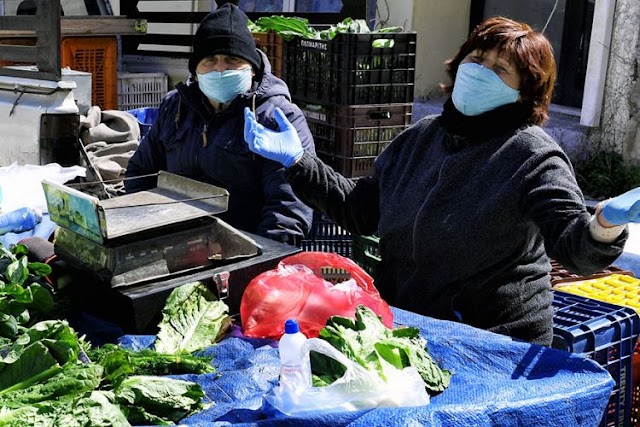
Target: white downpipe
<point>288,6</point>
<point>598,62</point>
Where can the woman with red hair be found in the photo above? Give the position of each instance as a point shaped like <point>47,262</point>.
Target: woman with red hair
<point>470,204</point>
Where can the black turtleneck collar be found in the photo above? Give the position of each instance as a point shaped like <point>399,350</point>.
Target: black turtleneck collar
<point>501,120</point>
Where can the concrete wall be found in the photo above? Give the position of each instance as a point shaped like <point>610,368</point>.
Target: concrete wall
<point>442,26</point>
<point>619,128</point>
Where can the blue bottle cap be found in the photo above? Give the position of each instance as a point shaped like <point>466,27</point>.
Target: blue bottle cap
<point>291,326</point>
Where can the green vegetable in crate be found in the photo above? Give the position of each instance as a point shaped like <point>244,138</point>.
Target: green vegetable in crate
<point>287,28</point>
<point>383,43</point>
<point>368,342</point>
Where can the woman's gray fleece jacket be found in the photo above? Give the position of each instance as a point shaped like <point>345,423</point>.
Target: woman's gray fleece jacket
<point>466,230</point>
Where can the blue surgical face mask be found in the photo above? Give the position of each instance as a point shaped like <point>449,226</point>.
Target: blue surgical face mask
<point>224,86</point>
<point>477,90</point>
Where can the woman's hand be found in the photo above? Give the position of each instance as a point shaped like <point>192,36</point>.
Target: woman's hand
<point>622,209</point>
<point>283,147</point>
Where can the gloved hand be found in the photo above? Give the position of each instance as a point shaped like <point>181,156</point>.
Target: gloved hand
<point>623,208</point>
<point>283,147</point>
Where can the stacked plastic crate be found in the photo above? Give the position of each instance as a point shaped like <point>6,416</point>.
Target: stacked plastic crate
<point>141,90</point>
<point>98,56</point>
<point>356,92</point>
<point>271,44</point>
<point>597,316</point>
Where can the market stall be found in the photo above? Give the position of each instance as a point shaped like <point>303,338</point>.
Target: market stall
<point>495,381</point>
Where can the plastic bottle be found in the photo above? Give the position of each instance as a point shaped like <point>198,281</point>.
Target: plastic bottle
<point>295,373</point>
<point>19,220</point>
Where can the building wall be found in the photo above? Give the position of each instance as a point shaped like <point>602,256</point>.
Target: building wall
<point>441,26</point>
<point>619,128</point>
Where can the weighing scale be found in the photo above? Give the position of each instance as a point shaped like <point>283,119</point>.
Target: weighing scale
<point>131,251</point>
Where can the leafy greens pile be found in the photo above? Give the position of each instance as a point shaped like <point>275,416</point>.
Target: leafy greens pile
<point>367,341</point>
<point>24,297</point>
<point>287,28</point>
<point>49,376</point>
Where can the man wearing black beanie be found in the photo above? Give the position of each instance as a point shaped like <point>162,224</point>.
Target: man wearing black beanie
<point>224,32</point>
<point>199,130</point>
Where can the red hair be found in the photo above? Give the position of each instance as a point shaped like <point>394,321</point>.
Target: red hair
<point>529,50</point>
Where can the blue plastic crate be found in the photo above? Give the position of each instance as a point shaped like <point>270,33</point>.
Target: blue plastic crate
<point>146,117</point>
<point>606,333</point>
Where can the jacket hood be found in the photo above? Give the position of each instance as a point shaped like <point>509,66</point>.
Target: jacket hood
<point>267,87</point>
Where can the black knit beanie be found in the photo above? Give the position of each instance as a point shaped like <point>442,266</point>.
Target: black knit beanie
<point>224,31</point>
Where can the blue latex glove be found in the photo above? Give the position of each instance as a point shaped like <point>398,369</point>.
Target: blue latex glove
<point>623,209</point>
<point>283,147</point>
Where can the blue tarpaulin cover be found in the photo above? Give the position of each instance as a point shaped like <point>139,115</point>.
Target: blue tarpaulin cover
<point>496,382</point>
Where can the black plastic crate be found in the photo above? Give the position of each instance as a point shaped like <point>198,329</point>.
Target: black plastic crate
<point>606,333</point>
<point>370,68</point>
<point>350,167</point>
<point>355,130</point>
<point>271,44</point>
<point>326,236</point>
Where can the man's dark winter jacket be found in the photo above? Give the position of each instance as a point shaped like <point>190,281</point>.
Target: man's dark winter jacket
<point>466,223</point>
<point>189,138</point>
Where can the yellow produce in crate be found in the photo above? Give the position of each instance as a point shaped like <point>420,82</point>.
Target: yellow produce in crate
<point>618,289</point>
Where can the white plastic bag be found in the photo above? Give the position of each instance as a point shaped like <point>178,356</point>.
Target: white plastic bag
<point>357,389</point>
<point>22,184</point>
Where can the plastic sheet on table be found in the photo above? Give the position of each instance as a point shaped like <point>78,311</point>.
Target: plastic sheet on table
<point>496,381</point>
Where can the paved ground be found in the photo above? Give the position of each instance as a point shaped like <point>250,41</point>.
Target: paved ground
<point>565,128</point>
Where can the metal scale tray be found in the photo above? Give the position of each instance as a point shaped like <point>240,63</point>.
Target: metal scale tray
<point>145,236</point>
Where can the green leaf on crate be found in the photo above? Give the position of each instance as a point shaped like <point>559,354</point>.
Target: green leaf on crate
<point>192,319</point>
<point>390,30</point>
<point>287,28</point>
<point>383,43</point>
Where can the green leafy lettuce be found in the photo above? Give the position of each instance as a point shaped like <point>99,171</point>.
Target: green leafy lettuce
<point>193,318</point>
<point>150,399</point>
<point>36,355</point>
<point>367,341</point>
<point>96,409</point>
<point>119,362</point>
